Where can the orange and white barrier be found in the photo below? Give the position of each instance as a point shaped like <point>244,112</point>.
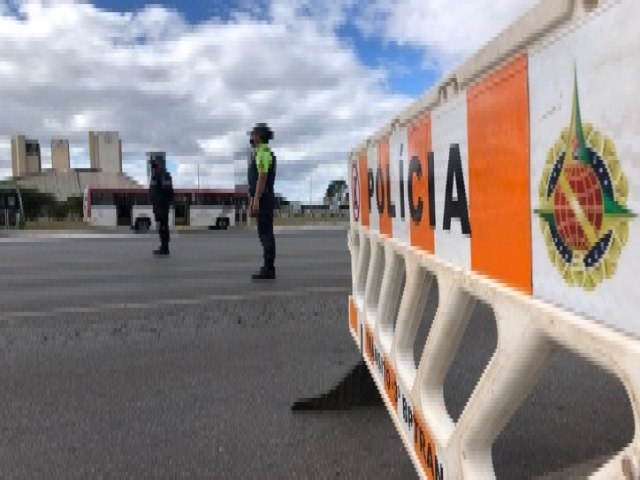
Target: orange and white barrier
<point>515,182</point>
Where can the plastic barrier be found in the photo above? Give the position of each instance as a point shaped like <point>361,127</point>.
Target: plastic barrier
<point>515,182</point>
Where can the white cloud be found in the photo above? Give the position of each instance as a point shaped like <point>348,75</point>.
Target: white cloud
<point>218,146</point>
<point>447,31</point>
<point>5,153</point>
<point>193,91</point>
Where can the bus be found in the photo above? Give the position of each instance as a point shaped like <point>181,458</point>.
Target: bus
<point>11,208</point>
<point>196,208</point>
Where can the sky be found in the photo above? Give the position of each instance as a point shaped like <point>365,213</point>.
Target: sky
<point>191,77</point>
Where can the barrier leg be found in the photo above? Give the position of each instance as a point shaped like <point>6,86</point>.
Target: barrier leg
<point>390,295</point>
<point>362,264</point>
<point>412,304</point>
<point>374,281</point>
<point>449,325</point>
<point>522,355</point>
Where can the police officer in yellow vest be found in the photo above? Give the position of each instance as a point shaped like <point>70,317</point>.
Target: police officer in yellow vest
<point>262,175</point>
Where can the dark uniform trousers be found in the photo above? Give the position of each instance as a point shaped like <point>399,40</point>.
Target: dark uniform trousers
<point>161,195</point>
<point>162,218</point>
<point>265,230</point>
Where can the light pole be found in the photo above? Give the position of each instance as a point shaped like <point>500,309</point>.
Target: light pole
<point>311,194</point>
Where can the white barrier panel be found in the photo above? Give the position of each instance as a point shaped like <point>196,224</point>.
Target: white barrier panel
<point>375,181</point>
<point>398,146</point>
<point>516,184</point>
<point>596,88</point>
<point>451,172</point>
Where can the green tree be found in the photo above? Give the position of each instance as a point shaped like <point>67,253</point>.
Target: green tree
<point>35,203</point>
<point>74,207</point>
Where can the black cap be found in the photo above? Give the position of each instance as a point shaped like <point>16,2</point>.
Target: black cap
<point>263,130</point>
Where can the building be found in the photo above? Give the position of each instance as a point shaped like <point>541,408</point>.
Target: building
<point>65,185</point>
<point>105,151</point>
<point>159,157</point>
<point>25,156</point>
<point>60,158</point>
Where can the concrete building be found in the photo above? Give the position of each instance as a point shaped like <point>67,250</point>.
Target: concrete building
<point>60,157</point>
<point>105,151</point>
<point>160,157</point>
<point>65,185</point>
<point>25,156</point>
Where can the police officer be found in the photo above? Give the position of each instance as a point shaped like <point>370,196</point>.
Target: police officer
<point>262,175</point>
<point>161,196</point>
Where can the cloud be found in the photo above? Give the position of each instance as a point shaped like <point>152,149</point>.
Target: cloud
<point>447,31</point>
<point>194,91</point>
<point>5,153</point>
<point>327,16</point>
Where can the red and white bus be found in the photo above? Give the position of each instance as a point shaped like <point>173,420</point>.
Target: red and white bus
<point>197,208</point>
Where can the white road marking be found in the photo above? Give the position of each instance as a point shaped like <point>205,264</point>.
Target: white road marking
<point>154,304</point>
<point>39,237</point>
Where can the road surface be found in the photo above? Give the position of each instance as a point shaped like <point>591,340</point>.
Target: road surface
<point>117,364</point>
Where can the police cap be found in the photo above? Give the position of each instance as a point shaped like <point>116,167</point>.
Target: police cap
<point>263,130</point>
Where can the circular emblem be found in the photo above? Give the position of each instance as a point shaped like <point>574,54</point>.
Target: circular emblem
<point>355,191</point>
<point>583,195</point>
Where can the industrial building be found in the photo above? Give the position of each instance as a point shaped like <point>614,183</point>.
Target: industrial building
<point>60,157</point>
<point>72,183</point>
<point>105,151</point>
<point>61,181</point>
<point>112,198</point>
<point>25,156</point>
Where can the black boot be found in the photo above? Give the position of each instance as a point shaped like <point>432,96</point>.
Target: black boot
<point>265,273</point>
<point>161,251</point>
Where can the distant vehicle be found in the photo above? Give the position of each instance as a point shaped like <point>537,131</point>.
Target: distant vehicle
<point>213,209</point>
<point>11,209</point>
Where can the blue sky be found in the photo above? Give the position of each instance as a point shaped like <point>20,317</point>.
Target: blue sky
<point>404,63</point>
<point>194,11</point>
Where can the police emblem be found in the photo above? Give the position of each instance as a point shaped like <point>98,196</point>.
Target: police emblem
<point>583,194</point>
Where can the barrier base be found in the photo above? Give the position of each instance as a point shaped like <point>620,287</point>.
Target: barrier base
<point>356,389</point>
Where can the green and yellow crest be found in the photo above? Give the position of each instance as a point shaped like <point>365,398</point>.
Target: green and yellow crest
<point>583,194</point>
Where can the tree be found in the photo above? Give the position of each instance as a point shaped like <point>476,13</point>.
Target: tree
<point>36,203</point>
<point>337,192</point>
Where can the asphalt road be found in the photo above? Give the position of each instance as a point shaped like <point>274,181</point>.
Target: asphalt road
<point>116,364</point>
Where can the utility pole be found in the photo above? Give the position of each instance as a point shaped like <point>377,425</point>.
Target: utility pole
<point>311,194</point>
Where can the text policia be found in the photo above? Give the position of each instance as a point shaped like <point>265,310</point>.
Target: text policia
<point>379,188</point>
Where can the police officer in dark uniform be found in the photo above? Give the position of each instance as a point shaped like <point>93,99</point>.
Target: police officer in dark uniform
<point>161,196</point>
<point>262,175</point>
